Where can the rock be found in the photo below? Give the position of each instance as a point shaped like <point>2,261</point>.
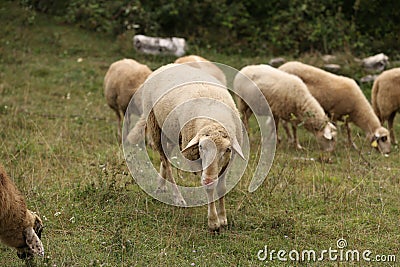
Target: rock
<point>368,78</point>
<point>376,63</point>
<point>159,46</point>
<point>332,67</point>
<point>276,62</point>
<point>328,58</point>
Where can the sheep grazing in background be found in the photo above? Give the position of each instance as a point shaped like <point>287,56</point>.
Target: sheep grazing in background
<point>289,99</point>
<point>386,98</point>
<point>208,67</point>
<point>200,137</point>
<point>19,227</point>
<point>122,80</point>
<point>343,100</point>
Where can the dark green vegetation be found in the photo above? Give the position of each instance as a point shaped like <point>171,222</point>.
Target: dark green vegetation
<point>59,144</point>
<point>251,26</point>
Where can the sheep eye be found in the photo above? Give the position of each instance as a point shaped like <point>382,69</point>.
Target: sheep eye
<point>384,138</point>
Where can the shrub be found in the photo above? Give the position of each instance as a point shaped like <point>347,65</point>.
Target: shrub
<point>272,27</point>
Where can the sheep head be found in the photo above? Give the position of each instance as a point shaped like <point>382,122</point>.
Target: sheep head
<point>215,148</point>
<point>380,140</point>
<point>31,234</point>
<point>326,137</point>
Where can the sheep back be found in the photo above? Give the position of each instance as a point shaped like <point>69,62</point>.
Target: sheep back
<point>14,216</point>
<point>386,93</point>
<point>286,94</point>
<point>173,85</point>
<point>338,95</point>
<point>205,65</point>
<point>121,81</point>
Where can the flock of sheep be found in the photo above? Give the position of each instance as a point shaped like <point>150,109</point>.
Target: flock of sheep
<point>296,93</point>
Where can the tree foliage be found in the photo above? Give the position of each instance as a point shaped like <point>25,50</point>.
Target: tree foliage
<point>273,27</point>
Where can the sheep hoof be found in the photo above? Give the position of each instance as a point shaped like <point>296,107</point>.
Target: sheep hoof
<point>299,147</point>
<point>223,222</point>
<point>160,190</point>
<point>216,231</point>
<point>179,201</point>
<point>23,255</point>
<point>214,225</point>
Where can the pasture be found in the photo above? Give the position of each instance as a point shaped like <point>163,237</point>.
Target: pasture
<point>59,144</point>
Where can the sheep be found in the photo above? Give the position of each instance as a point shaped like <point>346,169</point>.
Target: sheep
<point>386,98</point>
<point>121,81</point>
<point>289,99</point>
<point>200,137</point>
<point>206,66</point>
<point>19,227</point>
<point>342,99</point>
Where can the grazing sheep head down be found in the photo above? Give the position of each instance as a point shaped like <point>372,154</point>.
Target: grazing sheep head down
<point>326,137</point>
<point>381,140</point>
<point>30,238</point>
<point>20,228</point>
<point>215,149</point>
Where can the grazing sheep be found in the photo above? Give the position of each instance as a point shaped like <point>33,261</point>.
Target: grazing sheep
<point>200,137</point>
<point>386,98</point>
<point>208,67</point>
<point>342,99</point>
<point>19,227</point>
<point>289,99</point>
<point>122,80</point>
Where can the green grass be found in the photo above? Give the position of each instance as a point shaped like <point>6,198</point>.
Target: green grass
<point>59,145</point>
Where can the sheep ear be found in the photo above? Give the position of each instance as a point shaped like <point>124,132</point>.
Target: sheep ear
<point>193,142</point>
<point>332,126</point>
<point>33,242</point>
<point>236,147</point>
<point>328,134</point>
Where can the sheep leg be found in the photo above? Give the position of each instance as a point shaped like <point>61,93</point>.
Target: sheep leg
<point>213,221</point>
<point>119,124</point>
<point>221,191</point>
<point>288,133</point>
<point>126,127</point>
<point>276,119</point>
<point>162,188</point>
<point>295,137</point>
<point>246,111</point>
<point>166,173</point>
<point>349,139</point>
<point>165,168</point>
<point>390,125</point>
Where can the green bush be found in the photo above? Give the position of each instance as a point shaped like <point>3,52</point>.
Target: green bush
<point>263,27</point>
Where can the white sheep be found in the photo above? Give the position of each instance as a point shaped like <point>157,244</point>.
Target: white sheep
<point>19,227</point>
<point>121,81</point>
<point>205,66</point>
<point>343,100</point>
<point>386,98</point>
<point>200,137</point>
<point>289,100</point>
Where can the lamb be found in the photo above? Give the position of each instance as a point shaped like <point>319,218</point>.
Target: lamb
<point>289,99</point>
<point>206,66</point>
<point>386,98</point>
<point>342,99</point>
<point>200,137</point>
<point>19,227</point>
<point>121,81</point>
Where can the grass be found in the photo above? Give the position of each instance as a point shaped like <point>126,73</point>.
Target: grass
<point>59,145</point>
